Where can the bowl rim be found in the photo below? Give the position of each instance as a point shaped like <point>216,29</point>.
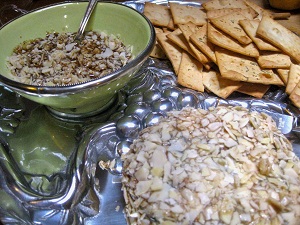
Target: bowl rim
<point>60,89</point>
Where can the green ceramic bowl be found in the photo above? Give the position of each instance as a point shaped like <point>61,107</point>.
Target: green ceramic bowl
<point>86,98</point>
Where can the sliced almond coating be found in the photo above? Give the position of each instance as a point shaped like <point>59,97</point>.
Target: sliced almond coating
<point>242,68</point>
<point>283,74</point>
<point>172,51</point>
<point>221,4</point>
<point>178,38</point>
<point>223,40</point>
<point>280,36</point>
<point>250,27</point>
<point>293,79</point>
<point>190,73</point>
<point>187,30</point>
<point>218,85</point>
<point>183,14</point>
<point>159,15</point>
<point>295,95</point>
<point>271,60</point>
<point>230,25</point>
<point>255,90</point>
<point>199,38</point>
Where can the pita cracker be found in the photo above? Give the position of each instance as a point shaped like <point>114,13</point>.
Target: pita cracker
<point>250,27</point>
<point>218,85</point>
<point>293,79</point>
<point>171,25</point>
<point>187,30</point>
<point>221,4</point>
<point>157,51</point>
<point>255,90</point>
<point>221,39</point>
<point>280,36</point>
<point>242,68</point>
<point>159,15</point>
<point>178,38</point>
<point>295,95</point>
<point>190,73</point>
<point>229,24</point>
<point>283,74</point>
<point>183,14</point>
<point>261,11</point>
<point>222,12</point>
<point>172,51</point>
<point>199,38</point>
<point>271,60</point>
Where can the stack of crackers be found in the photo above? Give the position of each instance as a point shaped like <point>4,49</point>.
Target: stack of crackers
<point>226,46</point>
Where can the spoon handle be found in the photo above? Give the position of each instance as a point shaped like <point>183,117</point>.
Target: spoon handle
<point>89,10</point>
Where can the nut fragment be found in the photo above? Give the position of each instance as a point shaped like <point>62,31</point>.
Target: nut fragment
<point>231,167</point>
<point>57,60</point>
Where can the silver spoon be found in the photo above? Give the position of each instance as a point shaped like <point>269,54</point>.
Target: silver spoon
<point>89,10</point>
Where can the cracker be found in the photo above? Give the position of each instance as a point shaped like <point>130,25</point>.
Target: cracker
<point>283,74</point>
<point>271,60</point>
<point>295,95</point>
<point>190,73</point>
<point>221,39</point>
<point>221,4</point>
<point>172,51</point>
<point>159,15</point>
<point>222,12</point>
<point>187,30</point>
<point>280,36</point>
<point>261,11</point>
<point>199,38</point>
<point>178,38</point>
<point>183,14</point>
<point>255,90</point>
<point>242,68</point>
<point>218,85</point>
<point>230,25</point>
<point>293,79</point>
<point>157,51</point>
<point>250,27</point>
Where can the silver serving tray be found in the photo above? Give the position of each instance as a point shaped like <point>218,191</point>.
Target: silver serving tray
<point>50,171</point>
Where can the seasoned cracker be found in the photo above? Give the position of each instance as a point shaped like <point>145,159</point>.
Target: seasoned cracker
<point>190,73</point>
<point>250,27</point>
<point>229,24</point>
<point>283,74</point>
<point>183,14</point>
<point>295,95</point>
<point>172,51</point>
<point>280,36</point>
<point>222,12</point>
<point>242,68</point>
<point>199,38</point>
<point>293,78</point>
<point>255,90</point>
<point>221,4</point>
<point>219,85</point>
<point>187,30</point>
<point>221,39</point>
<point>178,38</point>
<point>159,15</point>
<point>271,60</point>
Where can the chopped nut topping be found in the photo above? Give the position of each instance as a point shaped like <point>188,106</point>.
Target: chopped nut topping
<point>57,60</point>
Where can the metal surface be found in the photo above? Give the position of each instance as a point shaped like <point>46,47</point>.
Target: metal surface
<point>49,168</point>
